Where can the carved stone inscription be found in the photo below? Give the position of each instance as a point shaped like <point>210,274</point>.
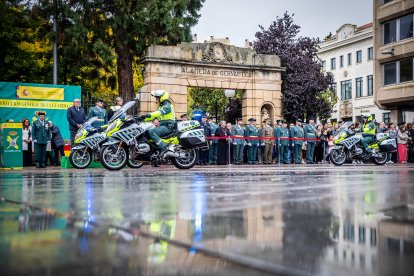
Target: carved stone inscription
<point>215,72</point>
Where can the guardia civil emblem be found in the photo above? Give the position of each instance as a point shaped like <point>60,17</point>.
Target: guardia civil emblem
<point>12,140</point>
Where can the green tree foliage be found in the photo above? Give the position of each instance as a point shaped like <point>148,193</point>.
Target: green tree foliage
<point>100,41</point>
<point>108,31</point>
<point>214,103</point>
<point>24,48</point>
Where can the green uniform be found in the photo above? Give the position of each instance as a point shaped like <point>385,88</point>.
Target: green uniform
<point>166,115</point>
<point>297,132</point>
<point>41,136</point>
<point>97,112</point>
<point>368,132</point>
<point>276,145</point>
<point>283,143</point>
<point>238,131</point>
<point>251,131</point>
<point>214,142</point>
<point>310,133</point>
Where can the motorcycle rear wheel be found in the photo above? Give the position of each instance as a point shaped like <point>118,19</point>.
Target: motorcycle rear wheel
<point>112,161</point>
<point>185,163</point>
<point>338,156</point>
<point>381,160</point>
<point>80,158</point>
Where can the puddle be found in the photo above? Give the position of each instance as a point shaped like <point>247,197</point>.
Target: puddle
<point>326,223</point>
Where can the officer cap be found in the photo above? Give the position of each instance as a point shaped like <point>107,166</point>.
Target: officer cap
<point>38,113</point>
<point>204,116</point>
<point>239,119</point>
<point>183,115</point>
<point>252,120</point>
<point>99,100</point>
<point>299,120</point>
<point>311,118</point>
<point>279,121</point>
<point>284,122</point>
<point>212,117</point>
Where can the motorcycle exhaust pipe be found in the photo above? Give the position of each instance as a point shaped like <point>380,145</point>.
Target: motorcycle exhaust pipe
<point>175,154</point>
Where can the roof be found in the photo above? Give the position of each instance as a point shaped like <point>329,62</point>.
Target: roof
<point>365,26</point>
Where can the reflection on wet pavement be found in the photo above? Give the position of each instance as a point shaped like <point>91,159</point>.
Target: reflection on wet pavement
<point>242,220</point>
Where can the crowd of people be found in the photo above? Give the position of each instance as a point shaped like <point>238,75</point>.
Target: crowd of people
<point>237,144</point>
<point>296,143</point>
<point>43,137</point>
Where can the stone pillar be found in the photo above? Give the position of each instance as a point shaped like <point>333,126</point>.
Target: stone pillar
<point>396,116</point>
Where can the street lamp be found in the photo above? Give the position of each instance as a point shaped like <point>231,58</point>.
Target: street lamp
<point>229,94</point>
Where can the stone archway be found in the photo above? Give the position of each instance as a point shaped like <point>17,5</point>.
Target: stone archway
<point>212,65</point>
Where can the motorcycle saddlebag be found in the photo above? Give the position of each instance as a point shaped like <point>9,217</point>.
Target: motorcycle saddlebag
<point>193,139</point>
<point>388,145</point>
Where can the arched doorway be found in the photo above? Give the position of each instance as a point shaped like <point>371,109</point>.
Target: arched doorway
<point>212,65</point>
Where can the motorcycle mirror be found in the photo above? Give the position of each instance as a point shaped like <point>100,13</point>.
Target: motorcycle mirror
<point>137,97</point>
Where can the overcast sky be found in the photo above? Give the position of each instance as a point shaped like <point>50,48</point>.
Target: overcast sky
<point>239,19</point>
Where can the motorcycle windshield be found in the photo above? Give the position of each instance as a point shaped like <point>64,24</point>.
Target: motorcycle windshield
<point>88,124</point>
<point>344,127</point>
<point>122,111</point>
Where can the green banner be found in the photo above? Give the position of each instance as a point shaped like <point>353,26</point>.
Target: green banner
<point>21,100</point>
<point>11,145</point>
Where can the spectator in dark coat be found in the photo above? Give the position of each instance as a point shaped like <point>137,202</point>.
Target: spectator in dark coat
<point>76,117</point>
<point>57,143</point>
<point>221,132</point>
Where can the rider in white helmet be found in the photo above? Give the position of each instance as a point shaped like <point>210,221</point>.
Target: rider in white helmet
<point>166,115</point>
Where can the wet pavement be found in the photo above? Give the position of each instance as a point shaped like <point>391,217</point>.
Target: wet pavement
<point>221,220</point>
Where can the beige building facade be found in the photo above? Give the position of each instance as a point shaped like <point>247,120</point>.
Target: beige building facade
<point>213,65</point>
<point>348,55</point>
<point>394,57</point>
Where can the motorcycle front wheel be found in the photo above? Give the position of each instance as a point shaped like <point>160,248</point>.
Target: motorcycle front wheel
<point>381,160</point>
<point>80,158</point>
<point>134,164</point>
<point>338,156</point>
<point>186,162</point>
<point>113,158</point>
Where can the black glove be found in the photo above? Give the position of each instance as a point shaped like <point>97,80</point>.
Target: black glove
<point>145,116</point>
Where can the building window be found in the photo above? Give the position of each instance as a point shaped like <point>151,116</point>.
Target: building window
<point>398,29</point>
<point>390,32</point>
<point>359,56</point>
<point>370,53</point>
<point>390,73</point>
<point>361,234</point>
<point>406,27</point>
<point>341,61</point>
<point>398,72</point>
<point>406,70</point>
<point>349,59</point>
<point>386,117</point>
<point>386,1</point>
<point>370,86</point>
<point>358,87</point>
<point>324,64</point>
<point>333,63</point>
<point>373,237</point>
<point>346,90</point>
